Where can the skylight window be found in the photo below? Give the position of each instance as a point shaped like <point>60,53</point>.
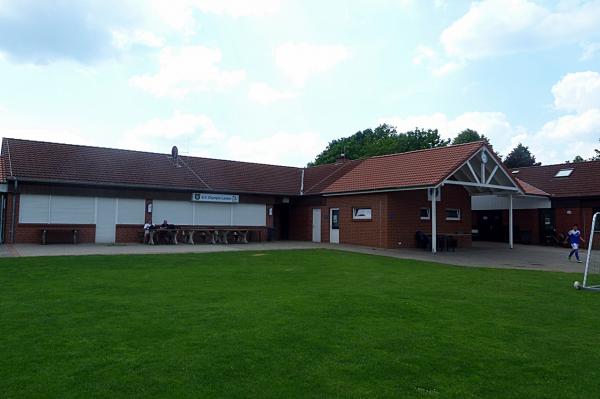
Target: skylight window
<point>564,173</point>
<point>514,172</point>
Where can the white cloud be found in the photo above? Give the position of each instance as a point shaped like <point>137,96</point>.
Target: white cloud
<point>496,27</point>
<point>579,91</point>
<point>179,15</point>
<point>573,128</point>
<point>556,141</point>
<point>189,131</point>
<point>589,51</point>
<point>125,39</point>
<point>264,94</point>
<point>197,135</point>
<point>447,68</point>
<point>440,4</point>
<point>424,54</point>
<point>438,66</point>
<point>282,148</point>
<point>188,69</point>
<point>238,8</point>
<point>300,61</point>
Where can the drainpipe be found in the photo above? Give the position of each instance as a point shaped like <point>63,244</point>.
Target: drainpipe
<point>14,212</point>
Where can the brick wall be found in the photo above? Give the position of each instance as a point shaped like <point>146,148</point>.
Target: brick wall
<point>404,216</point>
<point>372,232</point>
<point>127,233</point>
<point>32,233</point>
<point>8,233</point>
<point>395,217</point>
<point>526,220</point>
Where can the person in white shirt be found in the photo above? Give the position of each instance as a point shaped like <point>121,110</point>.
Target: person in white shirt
<point>146,231</point>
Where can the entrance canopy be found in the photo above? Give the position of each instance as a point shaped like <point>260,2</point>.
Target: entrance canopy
<point>484,174</point>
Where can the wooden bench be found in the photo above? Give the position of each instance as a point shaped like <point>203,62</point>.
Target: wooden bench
<point>59,236</point>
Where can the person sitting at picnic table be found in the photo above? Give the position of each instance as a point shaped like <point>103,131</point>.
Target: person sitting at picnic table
<point>147,227</point>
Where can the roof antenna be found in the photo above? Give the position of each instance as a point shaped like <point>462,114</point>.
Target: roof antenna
<point>175,155</point>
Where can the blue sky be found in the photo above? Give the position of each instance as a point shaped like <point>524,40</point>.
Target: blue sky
<point>275,80</point>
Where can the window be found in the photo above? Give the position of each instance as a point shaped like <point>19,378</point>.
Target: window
<point>361,213</point>
<point>514,172</point>
<point>564,173</point>
<point>452,214</point>
<point>424,213</point>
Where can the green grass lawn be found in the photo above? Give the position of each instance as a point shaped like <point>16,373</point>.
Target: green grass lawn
<point>285,324</point>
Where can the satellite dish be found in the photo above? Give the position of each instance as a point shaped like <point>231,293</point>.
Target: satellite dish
<point>175,152</point>
<point>484,157</point>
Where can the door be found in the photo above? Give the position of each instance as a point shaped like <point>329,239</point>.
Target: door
<point>106,220</point>
<point>547,227</point>
<point>334,225</point>
<point>489,224</point>
<point>316,225</point>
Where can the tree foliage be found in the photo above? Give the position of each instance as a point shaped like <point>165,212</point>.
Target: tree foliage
<point>577,159</point>
<point>382,140</point>
<point>519,157</point>
<point>469,136</point>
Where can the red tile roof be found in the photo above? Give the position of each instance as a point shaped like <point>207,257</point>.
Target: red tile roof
<point>584,181</point>
<point>531,190</point>
<point>44,161</point>
<point>410,169</point>
<point>2,170</point>
<point>318,178</point>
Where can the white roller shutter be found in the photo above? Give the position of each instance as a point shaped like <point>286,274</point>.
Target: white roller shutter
<point>207,214</point>
<point>72,210</point>
<point>249,215</point>
<point>34,208</point>
<point>175,212</point>
<point>131,211</point>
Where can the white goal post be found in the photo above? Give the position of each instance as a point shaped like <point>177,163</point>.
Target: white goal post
<point>591,275</point>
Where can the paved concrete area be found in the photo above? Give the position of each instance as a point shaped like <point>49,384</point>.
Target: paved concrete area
<point>481,254</point>
<point>488,254</point>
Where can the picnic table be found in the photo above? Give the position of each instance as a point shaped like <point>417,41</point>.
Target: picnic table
<point>447,241</point>
<point>206,235</point>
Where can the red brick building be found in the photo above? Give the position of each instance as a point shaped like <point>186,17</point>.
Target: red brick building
<point>559,197</point>
<point>108,194</point>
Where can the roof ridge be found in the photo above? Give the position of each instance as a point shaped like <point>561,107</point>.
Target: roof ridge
<point>336,163</point>
<point>147,152</point>
<point>327,177</point>
<point>557,164</point>
<point>481,142</point>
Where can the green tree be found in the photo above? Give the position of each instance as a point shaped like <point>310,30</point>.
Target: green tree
<point>597,156</point>
<point>519,157</point>
<point>577,159</point>
<point>469,136</point>
<point>382,140</point>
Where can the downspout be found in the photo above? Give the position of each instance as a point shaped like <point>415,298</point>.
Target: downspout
<point>14,212</point>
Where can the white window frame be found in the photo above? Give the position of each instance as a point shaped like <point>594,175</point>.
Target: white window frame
<point>428,217</point>
<point>457,212</point>
<point>564,172</point>
<point>355,211</point>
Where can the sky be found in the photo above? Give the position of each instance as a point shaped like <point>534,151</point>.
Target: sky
<point>274,81</point>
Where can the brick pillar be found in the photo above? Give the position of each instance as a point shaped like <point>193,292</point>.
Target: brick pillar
<point>148,215</point>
